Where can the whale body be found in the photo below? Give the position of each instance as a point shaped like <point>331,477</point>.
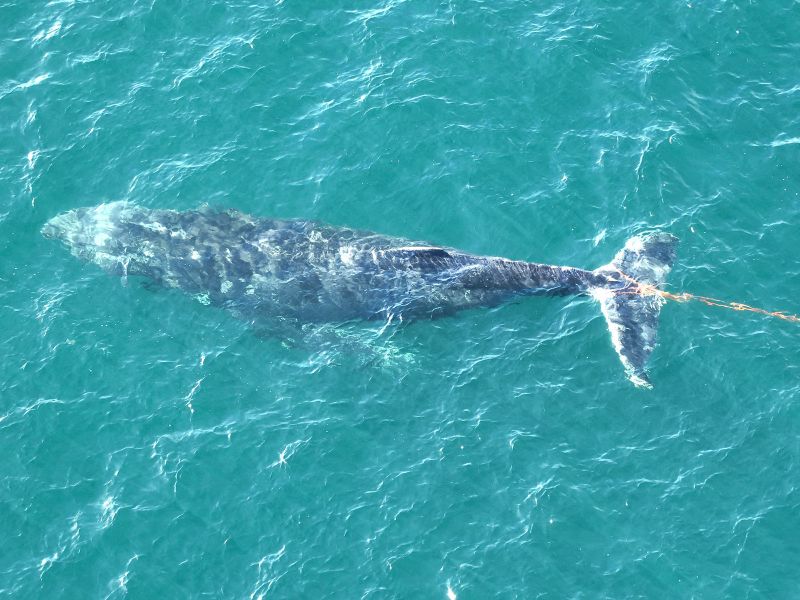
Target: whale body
<point>261,268</point>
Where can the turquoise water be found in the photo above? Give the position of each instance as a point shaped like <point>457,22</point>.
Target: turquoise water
<point>154,447</point>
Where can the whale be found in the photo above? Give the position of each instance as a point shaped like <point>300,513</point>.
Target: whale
<point>264,269</point>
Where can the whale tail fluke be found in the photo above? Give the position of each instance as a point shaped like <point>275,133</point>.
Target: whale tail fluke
<point>632,316</point>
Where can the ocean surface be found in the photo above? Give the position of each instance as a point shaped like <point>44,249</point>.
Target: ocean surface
<point>153,447</point>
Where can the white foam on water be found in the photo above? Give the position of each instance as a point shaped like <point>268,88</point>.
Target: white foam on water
<point>53,31</point>
<point>451,595</point>
<point>45,563</point>
<point>34,81</point>
<point>108,511</point>
<point>32,157</point>
<point>599,237</point>
<point>635,244</point>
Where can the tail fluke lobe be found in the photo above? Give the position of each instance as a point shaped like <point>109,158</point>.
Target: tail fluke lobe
<point>632,316</point>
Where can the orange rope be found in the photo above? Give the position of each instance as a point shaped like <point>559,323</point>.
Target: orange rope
<point>645,289</point>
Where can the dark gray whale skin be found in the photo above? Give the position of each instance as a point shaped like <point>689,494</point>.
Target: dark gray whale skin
<point>302,269</point>
<point>312,272</point>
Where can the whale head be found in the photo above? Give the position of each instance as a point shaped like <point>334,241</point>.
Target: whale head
<point>104,234</point>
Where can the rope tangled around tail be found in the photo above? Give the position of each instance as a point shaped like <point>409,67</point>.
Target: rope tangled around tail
<point>645,289</point>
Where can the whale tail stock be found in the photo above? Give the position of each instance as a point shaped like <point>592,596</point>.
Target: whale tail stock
<point>631,303</point>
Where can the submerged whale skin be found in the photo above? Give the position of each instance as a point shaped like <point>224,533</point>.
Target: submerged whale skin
<point>261,268</point>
